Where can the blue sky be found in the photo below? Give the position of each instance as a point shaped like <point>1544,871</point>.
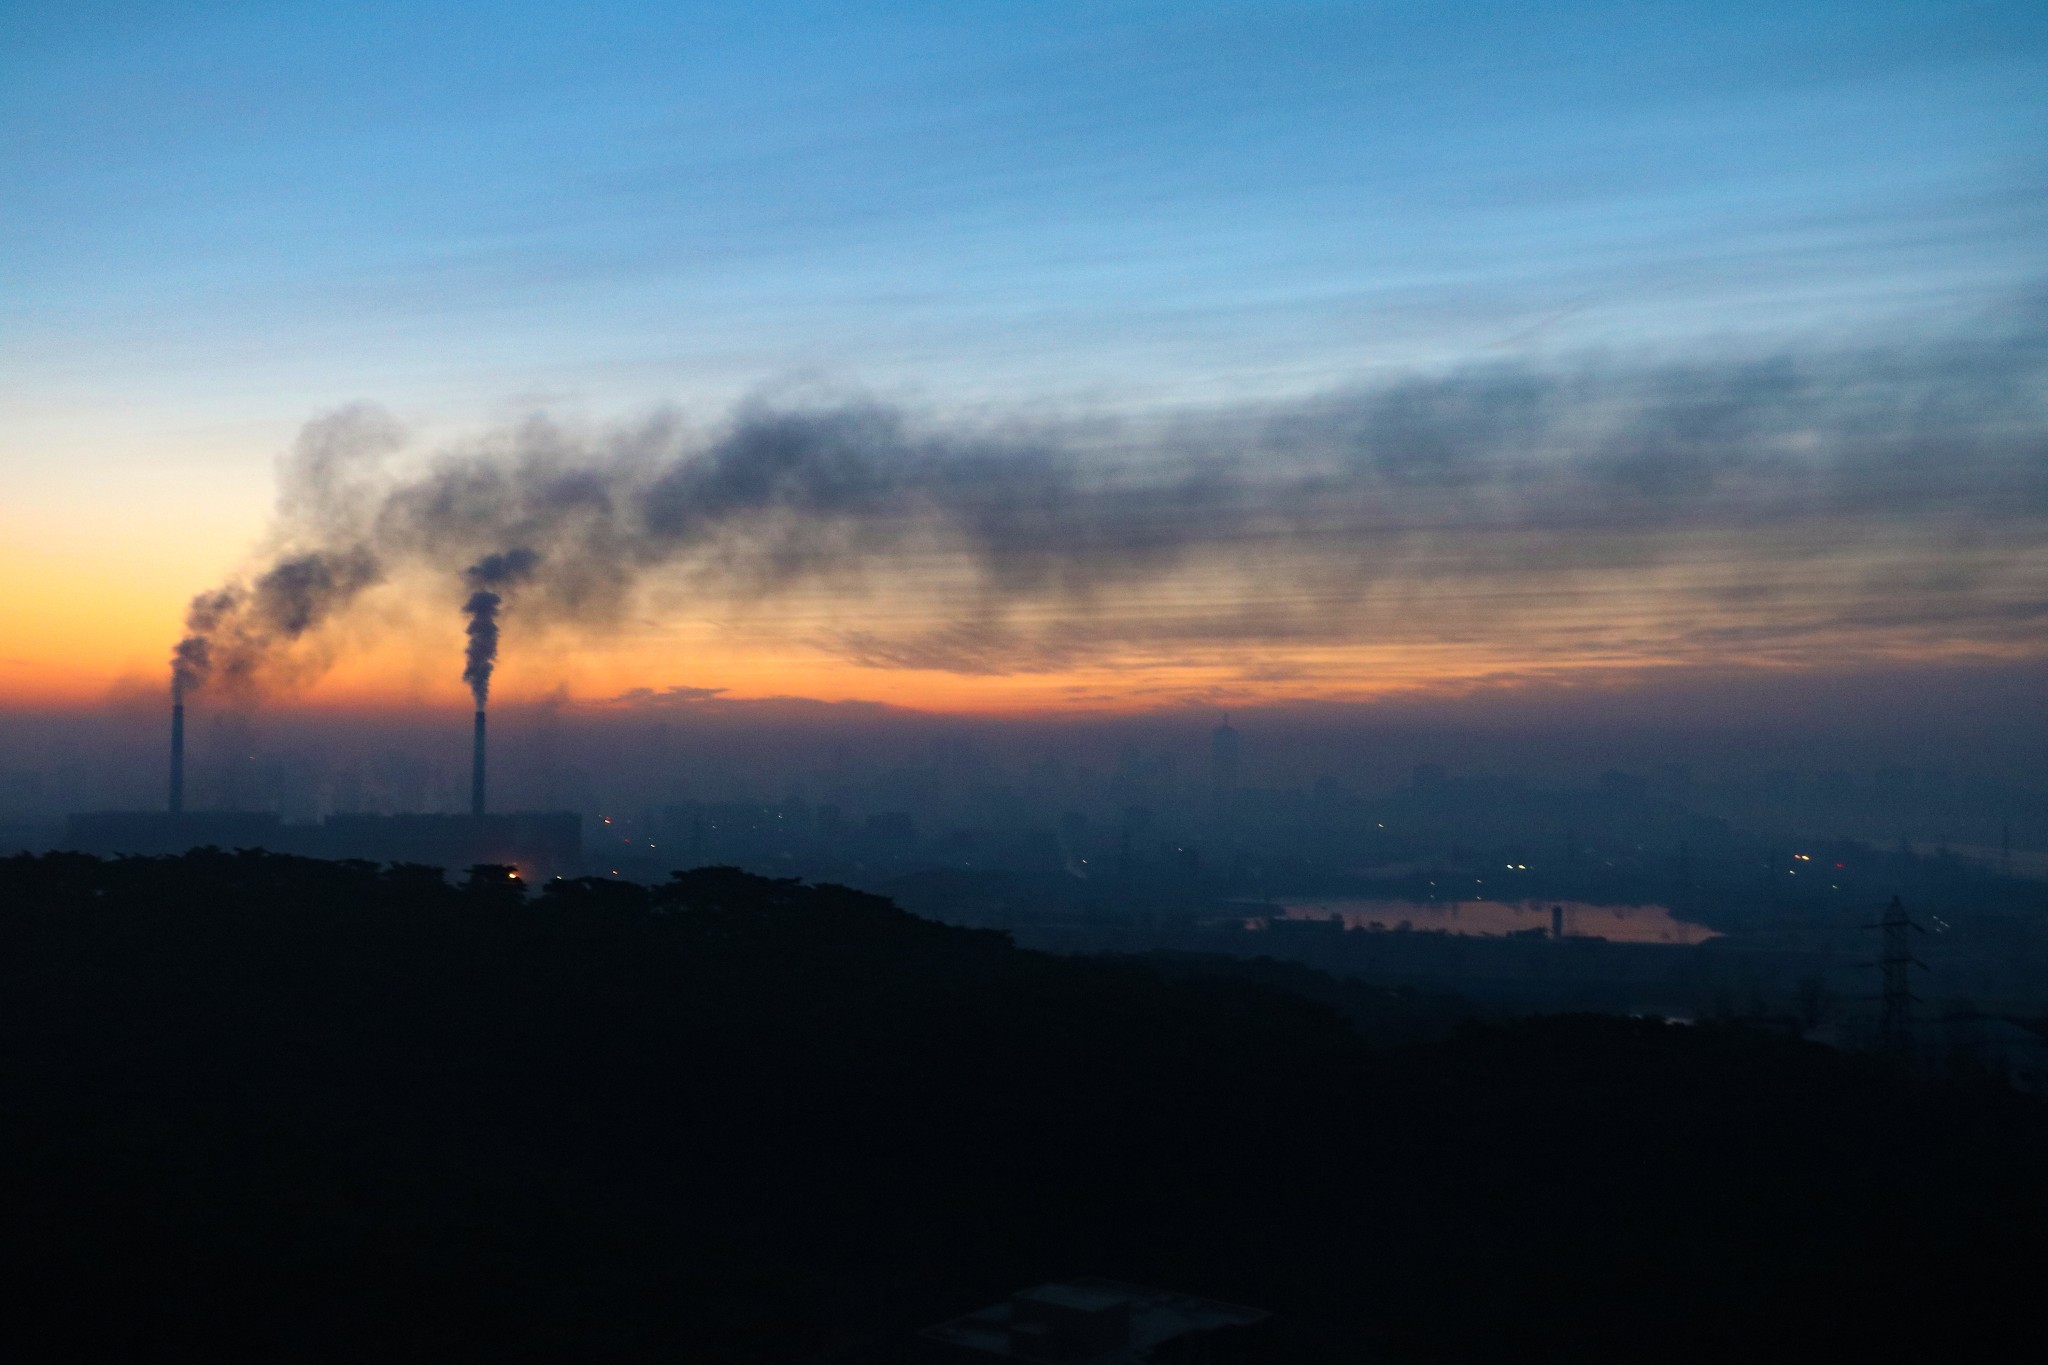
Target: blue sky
<point>451,205</point>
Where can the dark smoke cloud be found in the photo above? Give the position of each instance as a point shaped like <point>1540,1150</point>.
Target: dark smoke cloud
<point>486,576</point>
<point>1783,503</point>
<point>239,634</point>
<point>233,633</point>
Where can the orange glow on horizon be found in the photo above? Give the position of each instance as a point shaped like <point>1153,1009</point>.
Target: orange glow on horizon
<point>78,631</point>
<point>392,676</point>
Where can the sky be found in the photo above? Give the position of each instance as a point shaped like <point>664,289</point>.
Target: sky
<point>1015,357</point>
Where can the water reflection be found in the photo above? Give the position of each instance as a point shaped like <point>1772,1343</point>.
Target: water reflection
<point>1620,923</point>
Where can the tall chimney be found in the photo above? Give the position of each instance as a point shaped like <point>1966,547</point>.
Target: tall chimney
<point>178,758</point>
<point>476,769</point>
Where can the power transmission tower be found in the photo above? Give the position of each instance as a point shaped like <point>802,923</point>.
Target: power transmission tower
<point>1895,1010</point>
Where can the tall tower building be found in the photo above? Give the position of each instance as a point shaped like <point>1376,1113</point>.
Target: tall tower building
<point>1223,768</point>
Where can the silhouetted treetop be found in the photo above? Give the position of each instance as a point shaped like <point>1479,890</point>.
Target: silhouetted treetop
<point>268,1107</point>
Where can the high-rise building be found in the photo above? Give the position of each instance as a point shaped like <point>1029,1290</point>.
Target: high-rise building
<point>1223,767</point>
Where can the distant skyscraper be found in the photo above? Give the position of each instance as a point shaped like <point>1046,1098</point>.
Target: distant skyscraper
<point>1223,766</point>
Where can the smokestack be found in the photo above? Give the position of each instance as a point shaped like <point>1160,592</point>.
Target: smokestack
<point>476,768</point>
<point>177,758</point>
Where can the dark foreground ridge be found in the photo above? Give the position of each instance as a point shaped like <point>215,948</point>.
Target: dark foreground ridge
<point>277,1108</point>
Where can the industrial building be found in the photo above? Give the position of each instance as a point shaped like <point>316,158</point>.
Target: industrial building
<point>541,844</point>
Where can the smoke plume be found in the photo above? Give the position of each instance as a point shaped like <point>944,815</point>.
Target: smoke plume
<point>498,571</point>
<point>238,636</point>
<point>1885,499</point>
<point>232,633</point>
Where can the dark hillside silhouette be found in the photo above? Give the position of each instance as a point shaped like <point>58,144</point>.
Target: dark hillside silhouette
<point>273,1107</point>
